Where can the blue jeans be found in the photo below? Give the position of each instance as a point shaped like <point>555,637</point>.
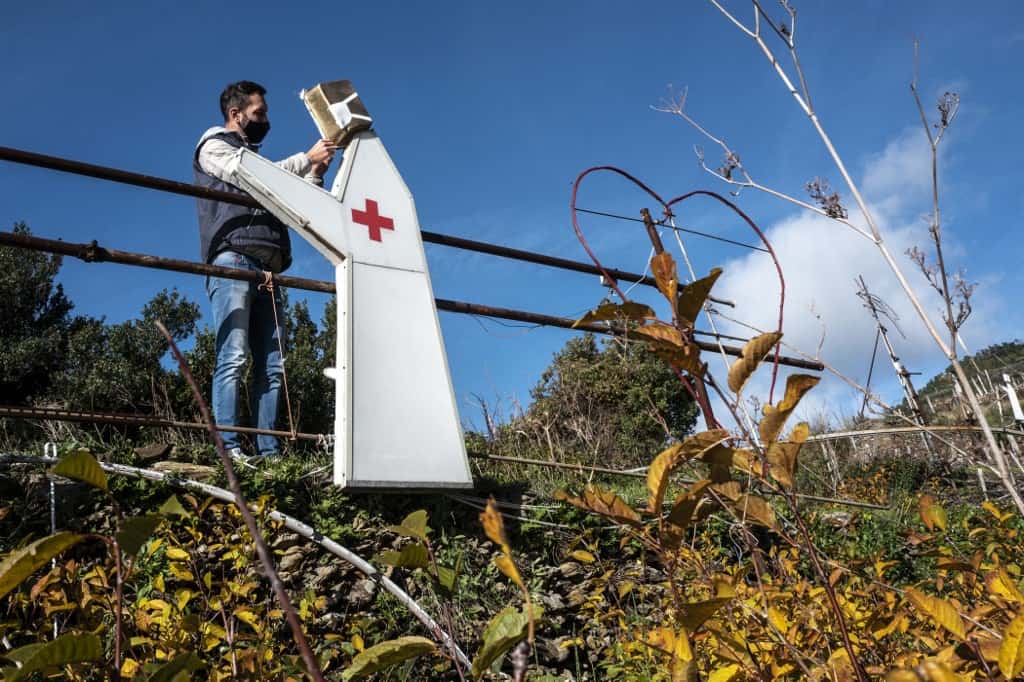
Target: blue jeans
<point>243,318</point>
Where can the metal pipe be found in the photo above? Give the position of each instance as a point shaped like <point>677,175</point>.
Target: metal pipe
<point>543,259</point>
<point>911,429</point>
<point>50,448</point>
<point>55,414</point>
<point>568,323</point>
<point>93,252</point>
<point>174,187</point>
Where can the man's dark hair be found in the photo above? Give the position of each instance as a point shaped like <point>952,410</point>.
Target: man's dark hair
<point>236,95</point>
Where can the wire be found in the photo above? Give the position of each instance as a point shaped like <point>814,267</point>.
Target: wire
<point>676,228</point>
<point>871,369</point>
<point>527,328</point>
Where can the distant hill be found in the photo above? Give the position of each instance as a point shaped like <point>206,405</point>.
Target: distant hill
<point>985,369</point>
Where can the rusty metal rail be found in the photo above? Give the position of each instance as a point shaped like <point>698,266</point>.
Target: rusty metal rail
<point>56,414</point>
<point>183,188</point>
<point>93,253</point>
<point>126,419</point>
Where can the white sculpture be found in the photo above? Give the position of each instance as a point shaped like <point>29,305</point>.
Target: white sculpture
<point>396,422</point>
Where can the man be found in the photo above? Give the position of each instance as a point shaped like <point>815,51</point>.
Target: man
<point>253,239</point>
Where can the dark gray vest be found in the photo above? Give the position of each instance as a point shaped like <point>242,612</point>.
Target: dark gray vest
<point>224,226</point>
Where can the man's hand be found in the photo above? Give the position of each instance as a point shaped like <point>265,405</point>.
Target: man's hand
<point>320,154</point>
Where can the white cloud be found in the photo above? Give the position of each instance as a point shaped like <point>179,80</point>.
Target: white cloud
<point>900,177</point>
<point>821,259</point>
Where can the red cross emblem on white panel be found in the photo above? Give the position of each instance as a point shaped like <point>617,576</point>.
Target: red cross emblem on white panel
<point>373,220</point>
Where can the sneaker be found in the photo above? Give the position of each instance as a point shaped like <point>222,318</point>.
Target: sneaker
<point>243,460</point>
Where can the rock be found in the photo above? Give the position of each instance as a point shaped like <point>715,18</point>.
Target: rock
<point>838,519</point>
<point>362,593</point>
<point>551,650</point>
<point>148,454</point>
<point>569,569</point>
<point>322,573</point>
<point>196,471</point>
<point>291,560</point>
<point>331,620</point>
<point>285,541</point>
<point>552,602</point>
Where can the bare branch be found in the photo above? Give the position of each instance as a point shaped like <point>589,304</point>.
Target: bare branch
<point>727,173</point>
<point>828,201</point>
<point>728,15</point>
<point>930,272</point>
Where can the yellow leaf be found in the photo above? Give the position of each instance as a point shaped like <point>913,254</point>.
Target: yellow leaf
<point>357,642</point>
<point>934,671</point>
<point>744,460</point>
<point>682,650</point>
<point>660,469</point>
<point>82,466</point>
<point>662,638</point>
<point>782,456</point>
<point>685,358</point>
<point>493,526</point>
<point>176,554</point>
<point>775,416</point>
<point>694,615</point>
<point>940,611</point>
<point>603,502</point>
<point>182,598</point>
<point>991,509</point>
<point>756,509</point>
<point>888,628</point>
<point>508,567</point>
<point>754,351</point>
<point>130,667</point>
<point>724,588</point>
<point>932,514</point>
<point>729,673</point>
<point>685,506</point>
<point>692,297</point>
<point>247,616</point>
<point>778,619</point>
<point>384,655</point>
<point>657,476</point>
<point>583,556</point>
<point>615,311</point>
<point>1000,583</point>
<point>730,490</point>
<point>1011,651</point>
<point>841,667</point>
<point>782,462</point>
<point>180,572</point>
<point>664,269</point>
<point>659,332</point>
<point>158,583</point>
<point>989,647</point>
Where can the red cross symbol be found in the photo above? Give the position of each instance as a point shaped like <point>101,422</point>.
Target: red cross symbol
<point>372,218</point>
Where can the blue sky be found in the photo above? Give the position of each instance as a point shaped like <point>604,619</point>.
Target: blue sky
<point>490,110</point>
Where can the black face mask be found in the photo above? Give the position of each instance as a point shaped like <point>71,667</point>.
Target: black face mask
<point>255,131</point>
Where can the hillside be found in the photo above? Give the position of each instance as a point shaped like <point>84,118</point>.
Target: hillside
<point>985,369</point>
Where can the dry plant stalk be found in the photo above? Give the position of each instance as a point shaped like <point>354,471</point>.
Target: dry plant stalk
<point>734,173</point>
<point>266,558</point>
